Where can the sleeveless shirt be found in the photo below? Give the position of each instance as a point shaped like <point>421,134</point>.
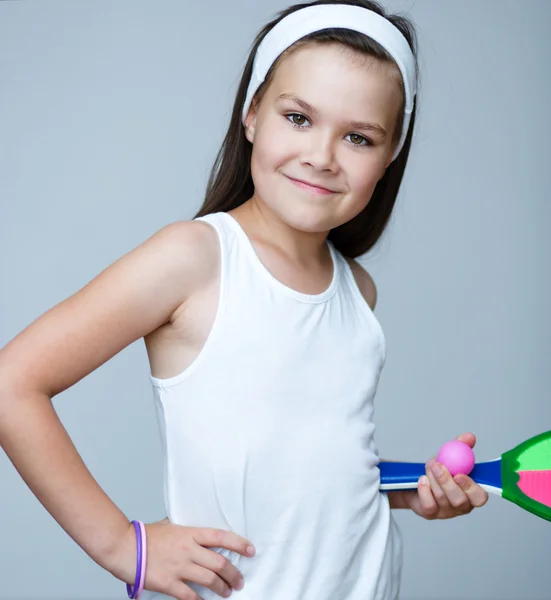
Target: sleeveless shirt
<point>269,434</point>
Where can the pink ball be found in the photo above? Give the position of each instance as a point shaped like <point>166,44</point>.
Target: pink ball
<point>457,456</point>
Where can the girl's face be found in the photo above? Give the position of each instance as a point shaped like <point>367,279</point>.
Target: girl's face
<point>323,144</point>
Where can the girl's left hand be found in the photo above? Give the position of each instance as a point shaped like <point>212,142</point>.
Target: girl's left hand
<point>444,496</point>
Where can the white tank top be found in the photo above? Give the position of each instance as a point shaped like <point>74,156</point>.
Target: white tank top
<point>269,433</point>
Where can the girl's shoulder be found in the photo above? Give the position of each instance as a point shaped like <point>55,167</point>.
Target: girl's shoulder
<point>193,245</point>
<point>364,281</point>
<point>188,252</point>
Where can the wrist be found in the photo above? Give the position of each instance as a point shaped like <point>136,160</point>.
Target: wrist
<point>120,558</point>
<point>398,499</point>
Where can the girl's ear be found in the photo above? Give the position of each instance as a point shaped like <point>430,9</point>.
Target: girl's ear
<point>387,162</point>
<point>389,157</point>
<point>249,132</point>
<point>250,122</point>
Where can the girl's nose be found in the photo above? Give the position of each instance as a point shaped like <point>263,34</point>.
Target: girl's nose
<point>320,153</point>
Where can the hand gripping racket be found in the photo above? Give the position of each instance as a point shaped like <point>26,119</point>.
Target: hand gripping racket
<point>521,475</point>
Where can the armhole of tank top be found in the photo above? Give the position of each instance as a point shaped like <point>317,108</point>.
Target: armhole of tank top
<point>222,283</point>
<point>364,306</point>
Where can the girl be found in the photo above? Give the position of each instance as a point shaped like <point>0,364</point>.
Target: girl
<point>265,353</point>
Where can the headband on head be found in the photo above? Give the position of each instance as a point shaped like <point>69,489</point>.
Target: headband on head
<point>326,16</point>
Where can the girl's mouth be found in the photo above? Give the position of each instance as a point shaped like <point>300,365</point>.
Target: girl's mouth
<point>313,189</point>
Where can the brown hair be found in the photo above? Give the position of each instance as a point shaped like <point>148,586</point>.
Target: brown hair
<point>230,182</point>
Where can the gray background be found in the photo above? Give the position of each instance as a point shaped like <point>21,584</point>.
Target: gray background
<point>110,116</point>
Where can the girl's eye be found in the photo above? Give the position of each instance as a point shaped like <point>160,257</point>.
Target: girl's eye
<point>357,135</point>
<point>300,125</point>
<point>296,115</point>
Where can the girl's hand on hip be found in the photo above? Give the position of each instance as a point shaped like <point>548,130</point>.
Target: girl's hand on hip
<point>441,496</point>
<point>177,555</point>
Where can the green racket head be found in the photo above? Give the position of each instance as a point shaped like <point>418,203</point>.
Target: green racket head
<point>526,475</point>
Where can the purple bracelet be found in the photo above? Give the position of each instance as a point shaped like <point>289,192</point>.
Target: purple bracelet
<point>132,590</point>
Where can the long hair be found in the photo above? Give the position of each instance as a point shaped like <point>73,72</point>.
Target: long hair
<point>230,182</point>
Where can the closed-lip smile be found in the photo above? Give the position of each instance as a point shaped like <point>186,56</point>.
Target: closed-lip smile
<point>312,185</point>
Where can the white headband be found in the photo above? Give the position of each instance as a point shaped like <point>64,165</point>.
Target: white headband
<point>324,16</point>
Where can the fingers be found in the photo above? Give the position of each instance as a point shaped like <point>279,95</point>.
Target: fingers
<point>468,438</point>
<point>182,591</point>
<point>215,570</point>
<point>447,493</point>
<point>437,491</point>
<point>208,536</point>
<point>476,494</point>
<point>217,565</point>
<point>209,579</point>
<point>429,507</point>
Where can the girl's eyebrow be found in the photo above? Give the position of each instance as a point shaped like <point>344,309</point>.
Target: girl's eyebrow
<point>373,127</point>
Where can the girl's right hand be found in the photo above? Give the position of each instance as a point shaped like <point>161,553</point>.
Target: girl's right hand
<point>176,554</point>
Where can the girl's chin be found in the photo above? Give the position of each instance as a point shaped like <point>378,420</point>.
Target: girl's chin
<point>307,219</point>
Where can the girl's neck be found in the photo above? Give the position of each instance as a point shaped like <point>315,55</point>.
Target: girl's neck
<point>263,226</point>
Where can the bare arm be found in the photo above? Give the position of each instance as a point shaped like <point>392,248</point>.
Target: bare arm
<point>132,297</point>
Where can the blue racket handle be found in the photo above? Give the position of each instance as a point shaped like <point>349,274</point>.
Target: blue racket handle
<point>400,475</point>
<point>405,475</point>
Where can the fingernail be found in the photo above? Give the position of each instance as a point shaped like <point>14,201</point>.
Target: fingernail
<point>250,550</point>
<point>240,584</point>
<point>424,480</point>
<point>437,470</point>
